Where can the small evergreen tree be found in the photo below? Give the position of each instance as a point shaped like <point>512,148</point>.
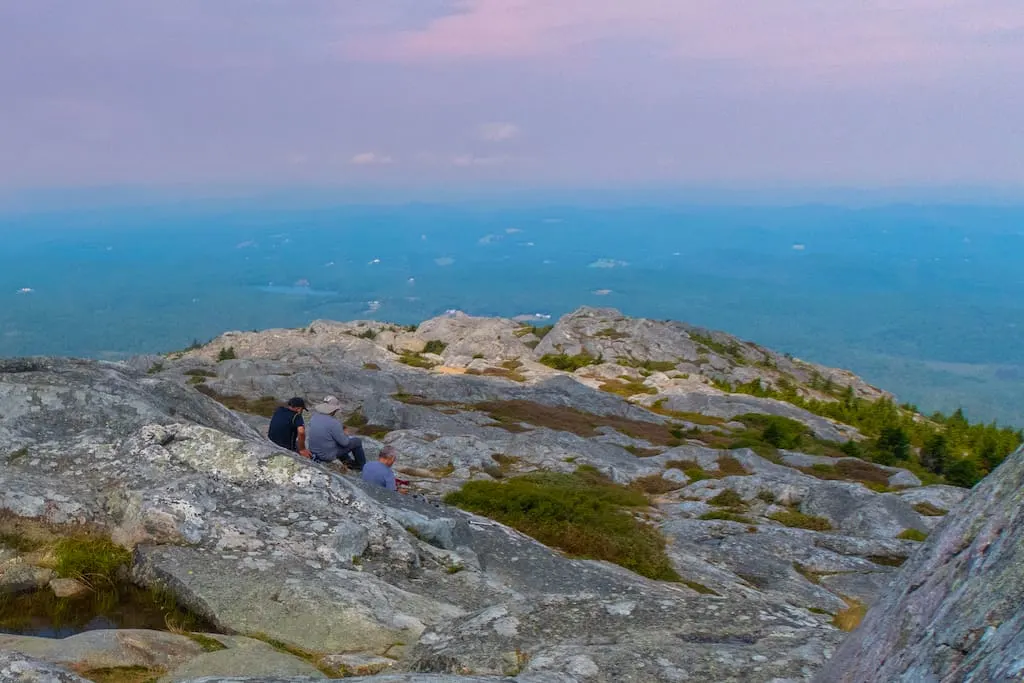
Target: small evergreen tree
<point>892,446</point>
<point>962,472</point>
<point>935,453</point>
<point>226,354</point>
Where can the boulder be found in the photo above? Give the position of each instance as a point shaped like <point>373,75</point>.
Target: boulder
<point>953,612</point>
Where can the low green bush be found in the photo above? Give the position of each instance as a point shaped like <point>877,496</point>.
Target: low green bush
<point>584,513</point>
<point>793,518</point>
<point>728,499</point>
<point>725,515</point>
<point>435,346</point>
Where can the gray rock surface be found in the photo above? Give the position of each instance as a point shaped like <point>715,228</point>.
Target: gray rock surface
<point>953,613</point>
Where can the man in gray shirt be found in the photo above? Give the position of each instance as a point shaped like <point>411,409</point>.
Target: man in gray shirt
<point>328,441</point>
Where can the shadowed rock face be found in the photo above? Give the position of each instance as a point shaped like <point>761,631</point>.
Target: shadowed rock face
<point>955,612</point>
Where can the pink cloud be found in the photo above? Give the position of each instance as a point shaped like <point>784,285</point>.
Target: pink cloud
<point>803,37</point>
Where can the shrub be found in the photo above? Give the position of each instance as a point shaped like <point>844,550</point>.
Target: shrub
<point>691,469</point>
<point>912,535</point>
<point>435,346</point>
<point>226,354</point>
<point>766,496</point>
<point>567,363</point>
<point>729,466</point>
<point>728,499</point>
<point>584,514</point>
<point>780,432</point>
<point>962,472</point>
<point>371,366</point>
<point>368,333</point>
<point>200,372</point>
<point>264,406</point>
<point>655,484</point>
<point>155,368</point>
<point>792,518</point>
<point>611,333</point>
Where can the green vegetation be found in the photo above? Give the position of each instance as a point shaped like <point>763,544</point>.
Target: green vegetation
<point>793,518</point>
<point>913,535</point>
<point>568,363</point>
<point>368,333</point>
<point>626,387</point>
<point>655,484</point>
<point>584,513</point>
<point>948,445</point>
<point>206,642</point>
<point>728,499</point>
<point>313,658</point>
<point>89,557</point>
<point>121,674</point>
<point>415,360</point>
<point>509,370</point>
<point>929,510</point>
<point>766,496</point>
<point>509,415</point>
<point>264,406</point>
<point>200,372</point>
<point>226,354</point>
<point>699,587</point>
<point>731,349</point>
<point>435,346</point>
<point>155,368</point>
<point>611,333</point>
<point>648,365</point>
<point>356,419</point>
<point>725,515</point>
<point>14,456</point>
<point>850,470</point>
<point>371,366</point>
<point>642,452</point>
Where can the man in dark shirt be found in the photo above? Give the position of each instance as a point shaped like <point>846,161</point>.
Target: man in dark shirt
<point>288,429</point>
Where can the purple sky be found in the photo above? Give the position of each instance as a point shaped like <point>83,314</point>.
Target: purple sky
<point>540,93</point>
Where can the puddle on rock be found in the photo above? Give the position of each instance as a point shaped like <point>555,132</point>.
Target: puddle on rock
<point>41,613</point>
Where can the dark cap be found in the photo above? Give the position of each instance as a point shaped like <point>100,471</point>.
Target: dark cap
<point>297,403</point>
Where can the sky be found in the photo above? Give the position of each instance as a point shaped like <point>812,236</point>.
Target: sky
<point>517,93</point>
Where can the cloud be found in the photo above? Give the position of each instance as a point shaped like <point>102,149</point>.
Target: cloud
<point>799,247</point>
<point>444,261</point>
<point>821,39</point>
<point>497,131</point>
<point>371,159</point>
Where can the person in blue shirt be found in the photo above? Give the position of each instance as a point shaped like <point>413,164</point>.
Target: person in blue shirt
<point>379,472</point>
<point>287,428</point>
<point>329,441</point>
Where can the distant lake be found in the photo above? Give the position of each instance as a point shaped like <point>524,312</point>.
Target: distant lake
<point>926,301</point>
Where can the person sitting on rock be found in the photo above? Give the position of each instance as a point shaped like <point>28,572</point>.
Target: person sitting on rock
<point>380,472</point>
<point>329,441</point>
<point>287,428</point>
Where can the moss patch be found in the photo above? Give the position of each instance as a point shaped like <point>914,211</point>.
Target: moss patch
<point>913,535</point>
<point>626,387</point>
<point>206,642</point>
<point>567,363</point>
<point>122,674</point>
<point>585,514</point>
<point>655,484</point>
<point>726,515</point>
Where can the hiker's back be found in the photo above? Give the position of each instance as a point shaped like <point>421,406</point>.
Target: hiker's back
<point>284,427</point>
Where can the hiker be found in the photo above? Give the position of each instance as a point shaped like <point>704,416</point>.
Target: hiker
<point>331,442</point>
<point>287,428</point>
<point>380,472</point>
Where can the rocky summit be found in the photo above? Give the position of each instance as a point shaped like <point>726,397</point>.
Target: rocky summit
<point>745,532</point>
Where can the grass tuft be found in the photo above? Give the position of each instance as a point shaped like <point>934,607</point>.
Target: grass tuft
<point>435,346</point>
<point>206,642</point>
<point>725,515</point>
<point>567,363</point>
<point>929,510</point>
<point>655,484</point>
<point>850,618</point>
